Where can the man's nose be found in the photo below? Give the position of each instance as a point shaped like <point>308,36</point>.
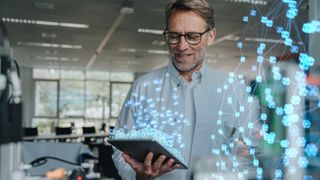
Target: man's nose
<point>182,44</point>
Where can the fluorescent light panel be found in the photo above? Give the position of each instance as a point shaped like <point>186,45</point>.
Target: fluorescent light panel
<point>256,2</point>
<point>152,51</point>
<point>150,31</point>
<point>51,45</point>
<point>45,23</point>
<point>54,58</point>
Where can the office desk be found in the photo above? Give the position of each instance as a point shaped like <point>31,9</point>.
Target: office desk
<point>69,136</point>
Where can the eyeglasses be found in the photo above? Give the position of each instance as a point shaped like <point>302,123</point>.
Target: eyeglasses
<point>192,38</point>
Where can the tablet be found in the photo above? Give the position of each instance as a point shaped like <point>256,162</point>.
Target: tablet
<point>139,148</point>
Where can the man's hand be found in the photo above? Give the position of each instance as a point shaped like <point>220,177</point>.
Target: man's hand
<point>149,170</point>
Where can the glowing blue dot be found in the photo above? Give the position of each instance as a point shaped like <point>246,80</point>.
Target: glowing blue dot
<point>259,79</point>
<point>278,173</point>
<point>242,59</point>
<point>259,171</point>
<point>263,19</point>
<point>306,124</point>
<point>284,143</point>
<point>311,150</point>
<point>294,49</point>
<point>265,127</point>
<point>220,113</point>
<point>286,81</point>
<point>288,108</point>
<point>295,100</point>
<point>220,131</point>
<point>263,116</point>
<point>279,111</point>
<point>301,141</point>
<point>252,151</point>
<point>245,18</point>
<point>272,59</point>
<point>292,13</point>
<point>248,89</point>
<point>250,125</point>
<point>256,162</point>
<point>279,29</point>
<point>260,59</point>
<point>288,41</point>
<point>250,99</point>
<point>253,12</point>
<point>303,162</point>
<point>285,34</point>
<point>240,45</point>
<point>241,109</point>
<point>241,129</point>
<point>269,23</point>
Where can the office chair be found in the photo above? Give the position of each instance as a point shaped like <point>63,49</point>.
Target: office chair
<point>63,131</point>
<point>30,131</point>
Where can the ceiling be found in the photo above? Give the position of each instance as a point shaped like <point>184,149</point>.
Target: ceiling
<point>125,49</point>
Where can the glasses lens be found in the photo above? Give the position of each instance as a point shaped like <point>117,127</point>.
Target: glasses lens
<point>172,37</point>
<point>193,38</point>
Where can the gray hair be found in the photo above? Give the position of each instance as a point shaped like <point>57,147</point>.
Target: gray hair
<point>200,7</point>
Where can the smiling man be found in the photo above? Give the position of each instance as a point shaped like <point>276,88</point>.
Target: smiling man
<point>182,100</point>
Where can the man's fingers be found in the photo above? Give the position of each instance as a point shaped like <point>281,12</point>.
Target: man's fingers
<point>132,162</point>
<point>148,160</point>
<point>167,166</point>
<point>174,167</point>
<point>159,162</point>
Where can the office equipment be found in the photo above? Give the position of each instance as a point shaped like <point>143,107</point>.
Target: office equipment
<point>10,96</point>
<point>139,148</point>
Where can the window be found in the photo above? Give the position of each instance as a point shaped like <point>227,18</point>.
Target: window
<point>71,98</point>
<point>46,98</point>
<point>64,98</point>
<point>119,92</point>
<point>97,100</point>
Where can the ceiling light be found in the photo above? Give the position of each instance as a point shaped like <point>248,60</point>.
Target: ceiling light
<point>53,58</point>
<point>150,31</point>
<point>157,52</point>
<point>126,10</point>
<point>127,50</point>
<point>158,43</point>
<point>45,23</point>
<point>43,5</point>
<point>256,2</point>
<point>48,35</point>
<point>66,46</point>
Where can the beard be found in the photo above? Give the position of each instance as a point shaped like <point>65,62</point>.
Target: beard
<point>182,67</point>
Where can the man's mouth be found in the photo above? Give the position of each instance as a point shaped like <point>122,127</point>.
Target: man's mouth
<point>182,57</point>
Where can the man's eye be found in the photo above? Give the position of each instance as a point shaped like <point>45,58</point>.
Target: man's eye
<point>193,36</point>
<point>174,36</point>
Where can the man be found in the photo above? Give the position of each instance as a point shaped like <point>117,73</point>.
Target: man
<point>204,110</point>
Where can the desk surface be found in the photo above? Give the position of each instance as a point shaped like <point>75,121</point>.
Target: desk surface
<point>68,136</point>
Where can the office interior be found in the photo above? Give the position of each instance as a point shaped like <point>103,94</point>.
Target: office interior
<point>73,62</point>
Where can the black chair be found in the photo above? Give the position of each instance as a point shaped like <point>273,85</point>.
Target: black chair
<point>89,130</point>
<point>63,131</point>
<point>30,131</point>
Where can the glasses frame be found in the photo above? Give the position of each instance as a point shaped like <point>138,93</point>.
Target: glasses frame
<point>165,32</point>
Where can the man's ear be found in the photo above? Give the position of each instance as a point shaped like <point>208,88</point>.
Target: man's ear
<point>211,36</point>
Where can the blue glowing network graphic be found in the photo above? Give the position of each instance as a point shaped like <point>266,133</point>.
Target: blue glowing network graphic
<point>277,97</point>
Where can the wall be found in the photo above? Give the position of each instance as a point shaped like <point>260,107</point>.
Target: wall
<point>27,96</point>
